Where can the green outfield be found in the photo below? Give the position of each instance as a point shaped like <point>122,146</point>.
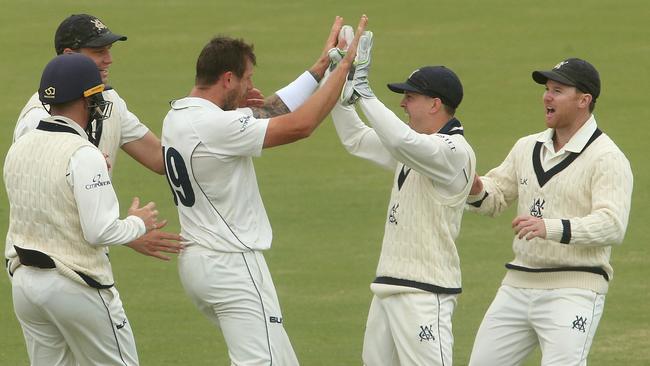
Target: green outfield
<point>327,208</point>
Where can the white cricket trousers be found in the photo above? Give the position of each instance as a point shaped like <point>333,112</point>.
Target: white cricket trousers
<point>235,291</point>
<point>409,329</point>
<point>562,321</point>
<point>66,323</point>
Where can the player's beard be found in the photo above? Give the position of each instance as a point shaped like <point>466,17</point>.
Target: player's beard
<point>231,101</point>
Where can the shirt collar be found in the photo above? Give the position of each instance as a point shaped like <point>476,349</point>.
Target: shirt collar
<point>188,102</point>
<point>452,127</point>
<point>577,141</point>
<point>65,121</point>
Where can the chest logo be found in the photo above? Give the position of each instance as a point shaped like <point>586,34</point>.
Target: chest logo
<point>537,207</point>
<point>392,217</point>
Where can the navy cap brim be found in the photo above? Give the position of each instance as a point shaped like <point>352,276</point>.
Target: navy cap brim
<point>403,87</point>
<point>541,77</point>
<point>104,40</point>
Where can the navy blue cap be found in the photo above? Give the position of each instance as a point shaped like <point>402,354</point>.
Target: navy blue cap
<point>83,30</point>
<point>69,77</point>
<point>572,72</point>
<point>434,81</point>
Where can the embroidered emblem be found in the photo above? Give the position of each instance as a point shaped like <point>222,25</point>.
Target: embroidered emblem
<point>536,208</point>
<point>523,181</point>
<point>392,217</point>
<point>426,334</point>
<point>579,323</point>
<point>98,24</point>
<point>559,65</point>
<point>49,92</point>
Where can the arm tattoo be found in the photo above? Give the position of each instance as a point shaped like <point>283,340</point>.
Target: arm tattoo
<point>273,106</point>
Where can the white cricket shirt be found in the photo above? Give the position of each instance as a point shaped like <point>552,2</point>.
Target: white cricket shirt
<point>208,161</point>
<point>120,128</point>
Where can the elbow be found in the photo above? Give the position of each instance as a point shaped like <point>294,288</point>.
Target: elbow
<point>158,166</point>
<point>619,236</point>
<point>303,130</point>
<point>159,171</point>
<point>94,240</point>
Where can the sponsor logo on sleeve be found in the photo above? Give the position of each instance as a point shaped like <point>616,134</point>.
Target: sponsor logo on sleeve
<point>447,140</point>
<point>244,123</point>
<point>98,182</point>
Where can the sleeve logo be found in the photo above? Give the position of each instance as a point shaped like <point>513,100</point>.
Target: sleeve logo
<point>97,182</point>
<point>244,123</point>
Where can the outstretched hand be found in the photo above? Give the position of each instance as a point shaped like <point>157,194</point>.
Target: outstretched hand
<point>323,61</point>
<point>155,241</point>
<point>147,213</point>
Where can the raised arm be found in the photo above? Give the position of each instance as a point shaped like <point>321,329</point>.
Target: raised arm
<point>302,122</point>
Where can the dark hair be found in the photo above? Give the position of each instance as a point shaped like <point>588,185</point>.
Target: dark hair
<point>220,55</point>
<point>450,110</point>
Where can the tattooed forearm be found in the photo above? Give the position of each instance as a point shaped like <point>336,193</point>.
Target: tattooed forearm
<point>273,106</point>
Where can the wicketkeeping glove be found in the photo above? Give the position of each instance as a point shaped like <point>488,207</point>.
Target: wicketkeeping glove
<point>357,83</point>
<point>336,54</point>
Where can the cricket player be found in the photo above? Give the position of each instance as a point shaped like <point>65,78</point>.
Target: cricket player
<point>63,213</point>
<point>573,189</point>
<point>86,34</point>
<point>208,146</point>
<point>418,277</point>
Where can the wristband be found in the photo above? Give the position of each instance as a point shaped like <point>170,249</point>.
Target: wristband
<point>297,92</point>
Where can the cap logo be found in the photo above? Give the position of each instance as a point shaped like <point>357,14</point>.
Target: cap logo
<point>560,65</point>
<point>49,92</point>
<point>98,24</point>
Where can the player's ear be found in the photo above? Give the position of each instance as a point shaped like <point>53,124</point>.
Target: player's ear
<point>436,104</point>
<point>69,50</point>
<point>584,100</point>
<point>226,78</point>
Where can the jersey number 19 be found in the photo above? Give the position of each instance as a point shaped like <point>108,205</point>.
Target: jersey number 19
<point>177,177</point>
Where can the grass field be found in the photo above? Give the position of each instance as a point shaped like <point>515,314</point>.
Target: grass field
<point>326,207</point>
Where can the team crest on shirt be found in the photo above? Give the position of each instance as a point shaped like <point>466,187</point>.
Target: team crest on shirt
<point>426,334</point>
<point>392,217</point>
<point>244,123</point>
<point>537,207</point>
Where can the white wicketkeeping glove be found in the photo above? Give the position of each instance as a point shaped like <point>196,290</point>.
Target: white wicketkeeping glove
<point>336,54</point>
<point>357,84</point>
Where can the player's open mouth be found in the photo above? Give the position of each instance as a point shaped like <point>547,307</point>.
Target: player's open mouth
<point>549,111</point>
